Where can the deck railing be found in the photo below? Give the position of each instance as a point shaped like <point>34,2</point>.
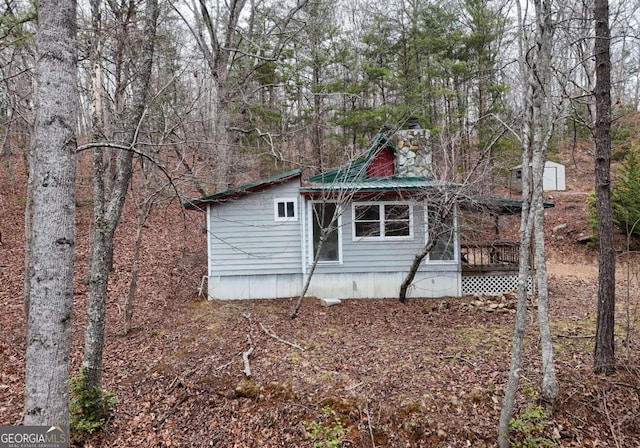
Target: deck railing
<point>494,256</point>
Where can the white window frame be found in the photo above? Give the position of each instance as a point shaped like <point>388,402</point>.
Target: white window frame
<point>285,201</point>
<point>382,236</point>
<point>456,244</point>
<point>310,220</point>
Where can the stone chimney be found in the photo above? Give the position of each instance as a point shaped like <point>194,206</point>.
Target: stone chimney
<point>413,158</point>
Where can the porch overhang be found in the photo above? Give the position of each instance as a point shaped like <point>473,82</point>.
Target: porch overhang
<point>496,206</point>
<point>381,185</point>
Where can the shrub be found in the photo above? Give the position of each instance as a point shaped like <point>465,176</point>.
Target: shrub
<point>625,195</point>
<point>327,434</point>
<point>89,407</point>
<point>528,430</point>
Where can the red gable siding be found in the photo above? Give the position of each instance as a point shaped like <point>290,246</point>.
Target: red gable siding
<point>382,164</point>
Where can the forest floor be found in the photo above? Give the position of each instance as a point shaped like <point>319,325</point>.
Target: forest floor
<point>371,373</point>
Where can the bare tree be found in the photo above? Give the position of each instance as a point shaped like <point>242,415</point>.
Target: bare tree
<point>16,114</point>
<point>538,126</point>
<point>326,219</point>
<point>326,213</point>
<point>146,196</point>
<point>53,233</point>
<point>226,44</point>
<point>441,213</point>
<point>109,203</point>
<point>604,354</point>
<point>546,114</point>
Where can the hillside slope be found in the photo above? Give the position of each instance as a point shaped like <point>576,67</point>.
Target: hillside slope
<point>370,372</point>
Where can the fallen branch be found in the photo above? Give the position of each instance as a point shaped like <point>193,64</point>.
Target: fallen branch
<point>245,358</point>
<point>227,364</point>
<point>625,385</point>
<point>569,336</point>
<point>173,409</point>
<point>459,358</point>
<point>275,336</point>
<point>611,427</point>
<point>373,439</point>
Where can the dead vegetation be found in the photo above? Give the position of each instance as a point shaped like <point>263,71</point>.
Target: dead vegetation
<point>365,373</point>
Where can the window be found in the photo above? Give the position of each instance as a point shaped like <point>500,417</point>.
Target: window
<point>326,226</point>
<point>444,231</point>
<point>285,209</point>
<point>382,221</point>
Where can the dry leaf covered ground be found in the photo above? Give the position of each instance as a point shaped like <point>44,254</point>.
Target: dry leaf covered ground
<point>371,373</point>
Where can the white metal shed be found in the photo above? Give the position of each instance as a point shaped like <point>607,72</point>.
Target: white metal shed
<point>553,177</point>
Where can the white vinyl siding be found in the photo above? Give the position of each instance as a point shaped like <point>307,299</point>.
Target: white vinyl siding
<point>245,239</point>
<point>390,255</point>
<point>253,255</point>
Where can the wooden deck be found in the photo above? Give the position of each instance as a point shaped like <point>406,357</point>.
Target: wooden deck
<point>497,256</point>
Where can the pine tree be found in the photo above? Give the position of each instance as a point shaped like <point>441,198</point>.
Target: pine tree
<point>625,198</point>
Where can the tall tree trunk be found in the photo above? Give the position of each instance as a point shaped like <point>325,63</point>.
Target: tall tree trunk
<point>133,283</point>
<point>222,141</point>
<point>54,175</point>
<point>537,132</point>
<point>217,44</point>
<point>526,227</point>
<point>28,232</point>
<point>604,353</point>
<point>549,385</point>
<point>544,121</point>
<point>142,213</point>
<point>97,279</point>
<point>107,215</point>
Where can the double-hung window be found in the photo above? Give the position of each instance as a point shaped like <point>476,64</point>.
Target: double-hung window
<point>382,221</point>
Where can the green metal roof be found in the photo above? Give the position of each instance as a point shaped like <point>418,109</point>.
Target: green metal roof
<point>351,177</point>
<point>374,184</point>
<point>356,169</point>
<point>244,189</point>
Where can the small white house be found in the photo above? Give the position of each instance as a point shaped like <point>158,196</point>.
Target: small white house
<point>553,177</point>
<point>364,222</point>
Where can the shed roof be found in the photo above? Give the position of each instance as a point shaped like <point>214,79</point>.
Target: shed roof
<point>546,163</point>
